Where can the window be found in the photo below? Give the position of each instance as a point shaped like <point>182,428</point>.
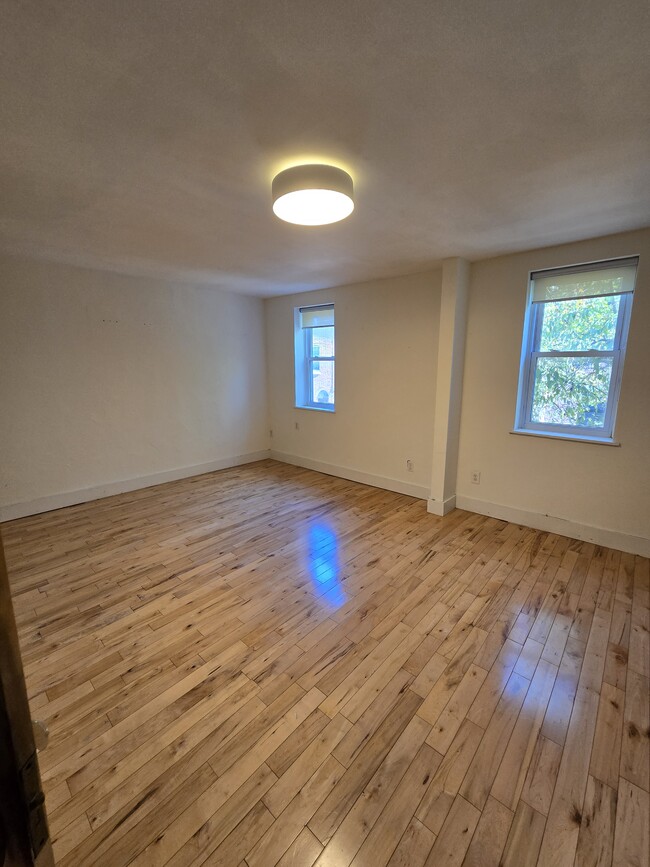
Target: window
<point>314,347</point>
<point>574,344</point>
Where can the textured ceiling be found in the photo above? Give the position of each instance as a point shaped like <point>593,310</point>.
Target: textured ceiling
<point>143,136</point>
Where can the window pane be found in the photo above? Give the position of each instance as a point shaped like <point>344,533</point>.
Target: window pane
<point>322,341</point>
<point>580,324</point>
<point>571,391</point>
<point>323,382</point>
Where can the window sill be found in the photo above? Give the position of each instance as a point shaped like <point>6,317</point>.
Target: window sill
<point>330,410</point>
<point>550,435</point>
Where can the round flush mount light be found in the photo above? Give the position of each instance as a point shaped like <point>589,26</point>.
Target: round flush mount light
<point>313,195</point>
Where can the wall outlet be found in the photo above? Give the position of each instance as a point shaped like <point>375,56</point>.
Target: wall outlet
<point>409,466</point>
<point>476,478</point>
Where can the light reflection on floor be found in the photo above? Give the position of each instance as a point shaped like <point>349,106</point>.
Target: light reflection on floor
<point>323,565</point>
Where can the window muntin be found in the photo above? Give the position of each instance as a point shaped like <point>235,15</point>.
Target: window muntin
<point>315,357</point>
<point>574,343</point>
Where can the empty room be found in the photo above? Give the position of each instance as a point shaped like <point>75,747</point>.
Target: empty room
<point>324,433</point>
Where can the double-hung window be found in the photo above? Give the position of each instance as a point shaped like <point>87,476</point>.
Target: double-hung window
<point>575,334</point>
<point>315,357</point>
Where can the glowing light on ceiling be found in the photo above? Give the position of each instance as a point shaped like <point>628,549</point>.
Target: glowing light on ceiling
<point>313,195</point>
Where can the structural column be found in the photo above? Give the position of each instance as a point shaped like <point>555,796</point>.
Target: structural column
<point>449,384</point>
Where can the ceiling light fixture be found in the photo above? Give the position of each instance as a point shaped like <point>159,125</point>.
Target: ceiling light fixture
<point>313,195</point>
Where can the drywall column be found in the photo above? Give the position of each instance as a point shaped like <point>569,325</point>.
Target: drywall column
<point>449,385</point>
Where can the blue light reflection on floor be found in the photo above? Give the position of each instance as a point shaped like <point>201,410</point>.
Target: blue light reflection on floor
<point>323,565</point>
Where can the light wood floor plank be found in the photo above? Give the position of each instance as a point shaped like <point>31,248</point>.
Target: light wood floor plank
<point>632,838</point>
<point>269,666</point>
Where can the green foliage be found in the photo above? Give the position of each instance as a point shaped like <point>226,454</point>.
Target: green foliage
<point>570,390</point>
<point>579,324</point>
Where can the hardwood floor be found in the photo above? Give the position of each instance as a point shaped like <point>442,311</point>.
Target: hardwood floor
<point>270,666</point>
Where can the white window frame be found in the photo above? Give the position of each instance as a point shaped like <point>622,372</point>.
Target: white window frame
<point>531,353</point>
<point>304,363</point>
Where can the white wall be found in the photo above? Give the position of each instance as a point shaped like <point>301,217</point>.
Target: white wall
<point>386,352</point>
<point>107,380</point>
<point>585,485</point>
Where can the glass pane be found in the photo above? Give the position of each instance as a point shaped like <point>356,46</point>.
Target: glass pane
<point>579,325</point>
<point>322,341</point>
<point>571,391</point>
<point>322,373</point>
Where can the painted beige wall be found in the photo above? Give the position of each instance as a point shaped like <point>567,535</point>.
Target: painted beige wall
<point>386,350</point>
<point>592,485</point>
<point>105,378</point>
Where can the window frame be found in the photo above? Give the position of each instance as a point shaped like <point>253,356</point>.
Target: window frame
<point>531,353</point>
<point>305,360</point>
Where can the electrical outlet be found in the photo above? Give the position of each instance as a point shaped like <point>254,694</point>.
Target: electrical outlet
<point>476,478</point>
<point>409,466</point>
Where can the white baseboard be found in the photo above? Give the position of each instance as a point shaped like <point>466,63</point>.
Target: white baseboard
<point>441,507</point>
<point>549,523</point>
<point>411,490</point>
<point>73,498</point>
<point>561,526</point>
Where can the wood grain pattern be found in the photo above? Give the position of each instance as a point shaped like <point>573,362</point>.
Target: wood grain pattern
<point>268,666</point>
